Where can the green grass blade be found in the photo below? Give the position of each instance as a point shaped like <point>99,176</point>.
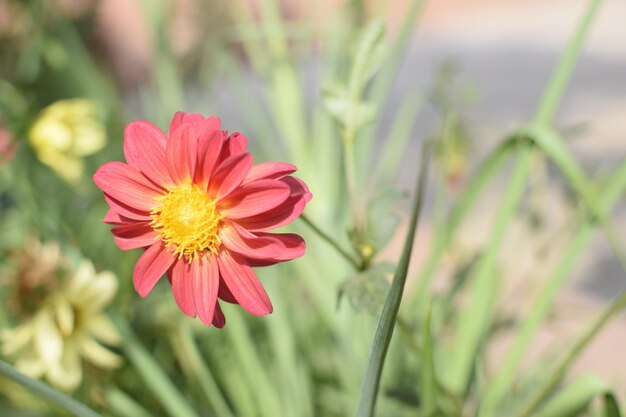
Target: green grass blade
<point>152,374</point>
<point>574,398</point>
<point>428,385</point>
<point>472,325</point>
<point>382,338</point>
<point>45,391</point>
<point>558,83</point>
<point>121,404</point>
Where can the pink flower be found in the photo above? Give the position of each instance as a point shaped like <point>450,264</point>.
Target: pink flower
<point>201,210</point>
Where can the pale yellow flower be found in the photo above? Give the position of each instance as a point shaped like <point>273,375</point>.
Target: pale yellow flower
<point>68,327</point>
<point>64,133</point>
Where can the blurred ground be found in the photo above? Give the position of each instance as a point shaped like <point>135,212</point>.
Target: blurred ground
<point>507,49</point>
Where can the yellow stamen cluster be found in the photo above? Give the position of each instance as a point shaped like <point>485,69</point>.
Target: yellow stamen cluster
<point>187,220</point>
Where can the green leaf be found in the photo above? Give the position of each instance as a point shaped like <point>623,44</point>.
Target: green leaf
<point>45,391</point>
<point>366,291</point>
<point>386,324</point>
<point>428,385</point>
<point>611,407</point>
<point>152,374</point>
<point>574,398</point>
<point>368,56</point>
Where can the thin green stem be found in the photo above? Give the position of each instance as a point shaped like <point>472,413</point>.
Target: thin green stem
<point>45,391</point>
<point>561,76</point>
<point>353,261</point>
<point>547,388</point>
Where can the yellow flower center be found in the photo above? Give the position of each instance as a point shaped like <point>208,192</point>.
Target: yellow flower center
<point>187,220</point>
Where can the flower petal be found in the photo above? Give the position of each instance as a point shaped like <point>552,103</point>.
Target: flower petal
<point>218,317</point>
<point>209,148</point>
<point>254,198</point>
<point>224,293</point>
<point>182,288</point>
<point>264,246</point>
<point>97,354</point>
<point>126,211</point>
<point>144,148</point>
<point>182,153</point>
<point>229,175</point>
<point>197,120</point>
<point>127,185</point>
<point>283,214</point>
<point>269,171</point>
<point>67,372</point>
<point>134,235</point>
<point>150,268</point>
<point>243,284</point>
<point>205,280</point>
<point>236,143</point>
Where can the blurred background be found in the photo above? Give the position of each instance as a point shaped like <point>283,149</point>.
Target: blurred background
<point>481,63</point>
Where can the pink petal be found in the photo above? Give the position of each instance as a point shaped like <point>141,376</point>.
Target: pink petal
<point>210,152</point>
<point>127,185</point>
<point>113,217</point>
<point>134,235</point>
<point>182,288</point>
<point>218,317</point>
<point>205,280</point>
<point>144,148</point>
<point>254,198</point>
<point>229,175</point>
<point>182,153</point>
<point>269,171</point>
<point>150,268</point>
<point>283,214</point>
<point>236,143</point>
<point>181,118</point>
<point>243,284</point>
<point>124,211</point>
<point>265,246</point>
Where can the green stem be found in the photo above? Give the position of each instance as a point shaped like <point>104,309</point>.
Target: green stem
<point>566,363</point>
<point>332,242</point>
<point>382,338</point>
<point>123,405</point>
<point>561,76</point>
<point>43,390</point>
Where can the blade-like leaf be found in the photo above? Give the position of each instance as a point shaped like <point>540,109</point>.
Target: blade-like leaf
<point>574,398</point>
<point>386,324</point>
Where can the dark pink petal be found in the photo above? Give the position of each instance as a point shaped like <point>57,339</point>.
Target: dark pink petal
<point>224,293</point>
<point>133,236</point>
<point>229,175</point>
<point>150,268</point>
<point>243,284</point>
<point>205,280</point>
<point>269,171</point>
<point>125,211</point>
<point>181,154</point>
<point>283,214</point>
<point>264,246</point>
<point>144,148</point>
<point>127,185</point>
<point>218,317</point>
<point>254,198</point>
<point>210,150</point>
<point>182,288</point>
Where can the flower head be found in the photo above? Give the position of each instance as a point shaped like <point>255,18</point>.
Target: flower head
<point>202,211</point>
<point>68,325</point>
<point>64,133</point>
